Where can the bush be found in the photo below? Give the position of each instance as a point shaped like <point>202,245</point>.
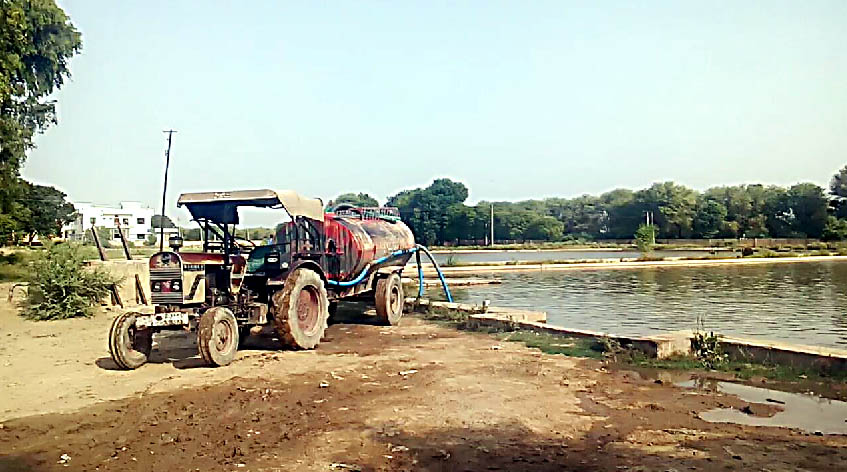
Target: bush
<point>103,234</point>
<point>151,240</point>
<point>707,347</point>
<point>62,287</point>
<point>645,238</point>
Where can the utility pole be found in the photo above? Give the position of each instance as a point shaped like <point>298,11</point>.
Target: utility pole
<point>492,224</point>
<point>165,191</point>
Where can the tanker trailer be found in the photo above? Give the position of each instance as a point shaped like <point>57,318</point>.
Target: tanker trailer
<point>234,287</point>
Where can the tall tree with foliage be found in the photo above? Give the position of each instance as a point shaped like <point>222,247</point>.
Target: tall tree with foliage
<point>708,217</point>
<point>355,199</point>
<point>426,210</point>
<point>48,211</point>
<point>808,205</point>
<point>838,192</point>
<point>36,41</point>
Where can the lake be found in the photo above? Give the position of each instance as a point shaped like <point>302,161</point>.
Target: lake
<point>801,303</point>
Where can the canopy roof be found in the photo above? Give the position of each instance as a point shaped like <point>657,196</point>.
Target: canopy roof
<point>221,206</point>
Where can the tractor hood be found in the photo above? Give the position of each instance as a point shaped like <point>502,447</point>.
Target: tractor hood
<point>222,207</point>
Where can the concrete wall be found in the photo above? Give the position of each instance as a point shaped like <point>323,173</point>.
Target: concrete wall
<point>128,270</point>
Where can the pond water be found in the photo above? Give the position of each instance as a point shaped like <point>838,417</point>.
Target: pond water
<point>800,303</point>
<point>808,413</point>
<point>537,256</point>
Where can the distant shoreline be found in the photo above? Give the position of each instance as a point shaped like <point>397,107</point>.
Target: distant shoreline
<point>631,264</point>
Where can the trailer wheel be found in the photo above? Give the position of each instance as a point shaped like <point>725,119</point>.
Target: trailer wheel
<point>128,346</point>
<point>389,300</point>
<point>301,310</point>
<point>217,336</point>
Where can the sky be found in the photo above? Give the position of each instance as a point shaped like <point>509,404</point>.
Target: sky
<point>517,100</point>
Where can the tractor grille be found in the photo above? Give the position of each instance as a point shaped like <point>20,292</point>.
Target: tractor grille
<point>166,298</point>
<point>166,275</point>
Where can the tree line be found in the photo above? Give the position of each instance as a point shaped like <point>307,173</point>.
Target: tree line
<point>438,214</point>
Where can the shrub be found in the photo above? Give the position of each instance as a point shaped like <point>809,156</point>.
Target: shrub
<point>62,287</point>
<point>103,234</point>
<point>451,261</point>
<point>707,348</point>
<point>645,238</point>
<point>151,240</point>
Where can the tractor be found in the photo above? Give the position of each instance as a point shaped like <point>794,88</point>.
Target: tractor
<point>292,284</point>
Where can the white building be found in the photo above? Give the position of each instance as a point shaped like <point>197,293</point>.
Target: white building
<point>133,218</point>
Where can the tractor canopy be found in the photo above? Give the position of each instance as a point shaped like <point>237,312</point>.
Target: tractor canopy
<point>222,207</point>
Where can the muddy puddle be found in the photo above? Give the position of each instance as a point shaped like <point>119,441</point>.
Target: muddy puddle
<point>804,412</point>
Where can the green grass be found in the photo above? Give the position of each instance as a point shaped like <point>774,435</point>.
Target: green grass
<point>741,370</point>
<point>15,265</point>
<point>551,344</point>
<point>547,343</point>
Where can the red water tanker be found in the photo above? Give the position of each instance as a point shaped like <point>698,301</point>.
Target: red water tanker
<point>234,287</point>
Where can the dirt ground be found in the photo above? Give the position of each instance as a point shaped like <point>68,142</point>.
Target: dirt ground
<point>415,397</point>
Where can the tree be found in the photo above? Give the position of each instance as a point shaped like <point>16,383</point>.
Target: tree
<point>36,42</point>
<point>835,229</point>
<point>672,206</point>
<point>48,211</point>
<point>808,205</point>
<point>157,221</point>
<point>355,199</point>
<point>838,184</point>
<point>838,191</point>
<point>544,228</point>
<point>426,210</point>
<point>708,218</point>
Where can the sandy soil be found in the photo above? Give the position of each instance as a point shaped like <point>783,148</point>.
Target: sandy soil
<point>415,397</point>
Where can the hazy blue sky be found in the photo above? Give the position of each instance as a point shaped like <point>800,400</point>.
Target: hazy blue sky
<point>515,99</point>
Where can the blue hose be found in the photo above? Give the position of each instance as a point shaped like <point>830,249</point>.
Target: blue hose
<point>365,271</point>
<point>420,274</point>
<point>437,270</point>
<point>401,252</point>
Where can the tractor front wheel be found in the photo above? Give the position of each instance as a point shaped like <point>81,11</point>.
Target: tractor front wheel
<point>389,300</point>
<point>301,310</point>
<point>217,336</point>
<point>129,347</point>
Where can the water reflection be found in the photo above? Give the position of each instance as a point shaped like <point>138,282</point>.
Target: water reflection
<point>802,303</point>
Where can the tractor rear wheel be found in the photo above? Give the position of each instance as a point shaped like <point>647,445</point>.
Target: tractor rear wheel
<point>389,300</point>
<point>301,310</point>
<point>129,347</point>
<point>217,336</point>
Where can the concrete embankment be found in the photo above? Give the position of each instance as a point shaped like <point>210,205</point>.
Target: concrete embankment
<point>661,346</point>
